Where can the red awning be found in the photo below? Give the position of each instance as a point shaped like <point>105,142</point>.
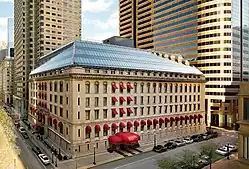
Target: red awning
<point>136,123</point>
<point>97,128</point>
<point>129,86</point>
<point>129,98</point>
<point>191,117</point>
<point>143,122</point>
<point>114,126</point>
<point>115,140</point>
<point>177,118</point>
<point>121,85</point>
<point>186,117</point>
<point>88,129</point>
<point>114,99</point>
<point>121,110</point>
<point>121,125</point>
<point>166,120</point>
<point>161,120</point>
<point>114,86</point>
<point>122,99</point>
<point>155,121</point>
<point>182,118</point>
<point>149,122</point>
<point>129,124</point>
<point>172,119</point>
<point>128,138</point>
<point>106,127</point>
<point>54,121</point>
<point>129,110</point>
<point>200,116</point>
<point>195,116</point>
<point>114,112</point>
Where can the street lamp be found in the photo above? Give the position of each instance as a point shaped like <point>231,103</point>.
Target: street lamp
<point>228,151</point>
<point>94,162</point>
<point>154,139</point>
<point>52,157</point>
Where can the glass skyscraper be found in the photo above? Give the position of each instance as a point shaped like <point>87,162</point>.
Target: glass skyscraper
<point>10,40</point>
<point>207,33</point>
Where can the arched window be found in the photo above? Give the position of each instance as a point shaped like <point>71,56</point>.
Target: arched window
<point>194,88</point>
<point>148,87</point>
<point>50,86</point>
<point>176,88</point>
<point>61,86</point>
<point>88,131</point>
<point>105,87</point>
<point>96,87</point>
<point>190,88</point>
<point>55,86</point>
<point>181,88</point>
<point>160,88</point>
<point>154,87</point>
<point>128,87</point>
<point>87,87</point>
<point>135,87</point>
<point>60,125</point>
<point>141,87</point>
<point>165,88</point>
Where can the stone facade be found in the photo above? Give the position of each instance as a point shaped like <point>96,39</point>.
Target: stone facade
<point>71,102</point>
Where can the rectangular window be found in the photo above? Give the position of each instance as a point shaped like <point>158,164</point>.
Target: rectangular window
<point>154,109</point>
<point>61,100</point>
<point>96,101</point>
<point>148,99</point>
<point>246,148</point>
<point>88,102</point>
<point>55,98</point>
<point>78,87</point>
<point>78,101</point>
<point>148,110</point>
<point>135,100</point>
<point>78,115</point>
<point>142,100</point>
<point>154,99</point>
<point>96,112</point>
<point>67,100</point>
<point>104,101</point>
<point>246,109</point>
<point>142,111</point>
<point>61,112</point>
<point>87,114</point>
<point>105,114</point>
<point>135,111</point>
<point>50,97</point>
<point>78,132</point>
<point>55,109</point>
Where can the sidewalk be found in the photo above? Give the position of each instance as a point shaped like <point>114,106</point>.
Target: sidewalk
<point>225,164</point>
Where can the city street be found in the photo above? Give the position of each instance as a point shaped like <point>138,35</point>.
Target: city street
<point>28,157</point>
<point>148,160</point>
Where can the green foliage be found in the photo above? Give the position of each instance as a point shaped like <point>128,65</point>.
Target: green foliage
<point>167,163</point>
<point>209,150</point>
<point>7,126</point>
<point>188,158</point>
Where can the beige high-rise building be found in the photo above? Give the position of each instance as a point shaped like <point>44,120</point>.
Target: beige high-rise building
<point>207,33</point>
<point>39,28</point>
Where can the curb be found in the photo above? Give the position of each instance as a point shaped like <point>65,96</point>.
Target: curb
<point>102,163</point>
<point>230,131</point>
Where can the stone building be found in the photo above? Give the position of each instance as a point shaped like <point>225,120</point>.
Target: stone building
<point>87,91</point>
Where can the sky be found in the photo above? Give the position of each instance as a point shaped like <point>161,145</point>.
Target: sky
<point>99,18</point>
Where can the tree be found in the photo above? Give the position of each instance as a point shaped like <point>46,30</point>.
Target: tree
<point>209,151</point>
<point>188,159</point>
<point>167,163</point>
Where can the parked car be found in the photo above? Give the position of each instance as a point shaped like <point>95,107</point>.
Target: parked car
<point>222,151</point>
<point>22,130</point>
<point>159,148</point>
<point>180,143</point>
<point>196,138</point>
<point>232,148</point>
<point>170,145</point>
<point>44,159</point>
<point>188,140</point>
<point>36,150</point>
<point>25,135</point>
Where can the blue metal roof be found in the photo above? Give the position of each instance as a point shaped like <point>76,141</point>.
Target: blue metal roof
<point>98,55</point>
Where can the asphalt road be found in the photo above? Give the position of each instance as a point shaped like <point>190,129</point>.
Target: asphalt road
<point>148,160</point>
<point>28,157</point>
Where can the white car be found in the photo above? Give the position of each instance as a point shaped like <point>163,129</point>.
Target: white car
<point>232,148</point>
<point>22,130</point>
<point>222,151</point>
<point>179,143</point>
<point>188,140</point>
<point>44,159</point>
